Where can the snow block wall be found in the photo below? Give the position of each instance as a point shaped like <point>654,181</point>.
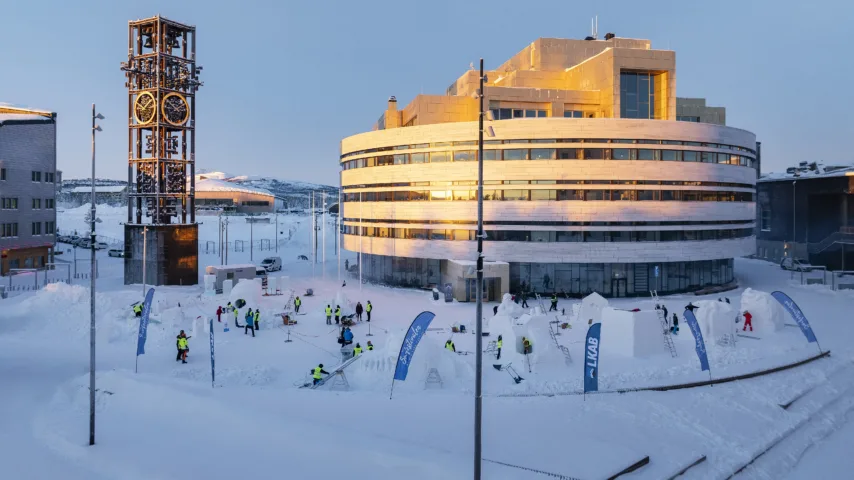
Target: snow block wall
<point>768,314</point>
<point>249,291</point>
<point>631,334</point>
<point>716,319</point>
<point>591,308</point>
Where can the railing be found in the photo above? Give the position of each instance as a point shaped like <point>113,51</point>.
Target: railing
<point>844,236</point>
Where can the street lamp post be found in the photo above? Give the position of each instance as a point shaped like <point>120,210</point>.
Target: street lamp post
<point>478,381</point>
<point>95,128</point>
<point>794,217</point>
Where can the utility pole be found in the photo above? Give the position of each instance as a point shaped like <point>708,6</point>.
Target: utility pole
<point>92,241</point>
<point>478,393</point>
<point>360,241</point>
<point>323,235</point>
<point>277,232</point>
<point>144,258</point>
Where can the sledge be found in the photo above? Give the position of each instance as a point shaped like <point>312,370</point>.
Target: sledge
<point>339,370</point>
<point>510,370</point>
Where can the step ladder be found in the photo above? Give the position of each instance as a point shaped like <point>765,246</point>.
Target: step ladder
<point>567,358</point>
<point>289,305</point>
<point>727,340</point>
<point>492,348</point>
<point>433,379</point>
<point>665,325</point>
<point>339,381</point>
<point>540,301</point>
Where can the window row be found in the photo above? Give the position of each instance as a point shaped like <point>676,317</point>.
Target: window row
<point>556,195</point>
<point>2,174</point>
<point>36,228</point>
<point>534,223</point>
<point>462,183</point>
<point>549,236</point>
<point>11,203</point>
<point>9,230</point>
<point>553,140</point>
<point>509,113</point>
<point>49,177</point>
<point>256,203</point>
<point>552,154</point>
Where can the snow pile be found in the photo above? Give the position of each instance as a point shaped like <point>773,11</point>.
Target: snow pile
<point>64,308</point>
<point>247,290</point>
<point>768,314</point>
<point>716,319</point>
<point>591,308</point>
<point>348,307</point>
<point>508,307</point>
<point>632,334</point>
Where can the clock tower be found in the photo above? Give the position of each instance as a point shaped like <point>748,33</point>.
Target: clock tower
<point>161,233</point>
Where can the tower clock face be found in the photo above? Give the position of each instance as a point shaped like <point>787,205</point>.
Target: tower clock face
<point>144,108</point>
<point>175,109</point>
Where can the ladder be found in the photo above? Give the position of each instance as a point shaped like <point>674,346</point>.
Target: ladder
<point>727,340</point>
<point>566,356</point>
<point>433,378</point>
<point>491,348</point>
<point>289,305</point>
<point>540,300</point>
<point>665,325</point>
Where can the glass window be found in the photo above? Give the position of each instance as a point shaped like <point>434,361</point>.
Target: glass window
<point>515,194</point>
<point>465,156</point>
<point>620,154</point>
<point>492,154</point>
<point>465,195</point>
<point>568,237</point>
<point>464,234</point>
<point>543,194</point>
<point>516,154</point>
<point>570,195</point>
<point>597,194</point>
<point>385,160</point>
<point>530,114</point>
<point>594,153</point>
<point>690,196</point>
<point>671,155</point>
<point>401,196</point>
<point>690,156</point>
<point>440,234</point>
<point>505,114</point>
<point>622,194</point>
<point>637,95</point>
<point>542,154</point>
<point>518,113</point>
<point>723,158</point>
<point>646,154</point>
<point>708,157</point>
<point>439,157</point>
<point>401,159</point>
<point>567,153</point>
<point>542,114</point>
<point>419,195</point>
<point>647,195</point>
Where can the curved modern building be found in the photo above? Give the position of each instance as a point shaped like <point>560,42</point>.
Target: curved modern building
<point>597,178</point>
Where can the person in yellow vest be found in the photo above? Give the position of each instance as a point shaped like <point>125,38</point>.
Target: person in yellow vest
<point>337,314</point>
<point>137,309</point>
<point>317,372</point>
<point>357,350</point>
<point>368,309</point>
<point>450,346</point>
<point>498,345</point>
<point>297,303</point>
<point>328,315</point>
<point>370,346</point>
<point>183,347</point>
<point>526,345</point>
<point>236,325</point>
<point>257,318</point>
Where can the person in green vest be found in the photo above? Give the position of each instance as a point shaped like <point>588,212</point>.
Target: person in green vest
<point>297,303</point>
<point>337,314</point>
<point>450,346</point>
<point>328,315</point>
<point>498,345</point>
<point>370,346</point>
<point>554,303</point>
<point>317,373</point>
<point>137,309</point>
<point>257,318</point>
<point>368,309</point>
<point>357,350</point>
<point>236,325</point>
<point>183,347</point>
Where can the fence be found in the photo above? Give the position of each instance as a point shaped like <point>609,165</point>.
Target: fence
<point>258,245</point>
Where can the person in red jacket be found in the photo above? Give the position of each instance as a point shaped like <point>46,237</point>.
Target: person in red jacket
<point>219,314</point>
<point>747,321</point>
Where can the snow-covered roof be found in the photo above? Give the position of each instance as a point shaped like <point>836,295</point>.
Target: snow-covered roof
<point>100,189</point>
<point>10,112</point>
<point>808,172</point>
<point>214,185</point>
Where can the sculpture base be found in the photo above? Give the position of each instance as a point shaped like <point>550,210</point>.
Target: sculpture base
<point>171,251</point>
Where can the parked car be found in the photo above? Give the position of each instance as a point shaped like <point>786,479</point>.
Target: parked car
<point>260,272</point>
<point>79,241</point>
<point>272,264</point>
<point>101,246</point>
<point>796,264</point>
<point>115,252</point>
<point>62,239</point>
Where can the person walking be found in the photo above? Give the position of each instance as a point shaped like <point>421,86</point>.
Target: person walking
<point>498,345</point>
<point>357,350</point>
<point>297,303</point>
<point>554,303</point>
<point>368,309</point>
<point>450,346</point>
<point>526,345</point>
<point>317,373</point>
<point>337,314</point>
<point>183,348</point>
<point>748,321</point>
<point>236,325</point>
<point>328,315</point>
<point>348,336</point>
<point>250,317</point>
<point>178,344</point>
<point>219,314</point>
<point>257,319</point>
<point>674,329</point>
<point>359,311</point>
<point>495,310</point>
<point>663,307</point>
<point>346,265</point>
<point>524,299</point>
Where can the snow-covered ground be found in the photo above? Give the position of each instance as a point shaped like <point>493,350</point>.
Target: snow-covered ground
<point>257,422</point>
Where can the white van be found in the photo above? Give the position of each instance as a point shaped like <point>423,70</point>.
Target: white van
<point>272,264</point>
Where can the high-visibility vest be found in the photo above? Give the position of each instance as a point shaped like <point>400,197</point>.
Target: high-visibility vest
<point>370,347</point>
<point>257,316</point>
<point>298,302</point>
<point>235,314</point>
<point>317,373</point>
<point>328,311</point>
<point>337,312</point>
<point>369,307</point>
<point>357,351</point>
<point>449,346</point>
<point>500,343</point>
<point>137,308</point>
<point>554,298</point>
<point>182,343</point>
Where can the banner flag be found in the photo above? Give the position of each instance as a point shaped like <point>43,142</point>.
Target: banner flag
<point>700,345</point>
<point>407,349</point>
<point>143,323</point>
<point>796,314</point>
<point>591,358</point>
<point>213,370</point>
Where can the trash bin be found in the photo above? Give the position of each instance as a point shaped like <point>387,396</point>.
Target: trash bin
<point>435,294</point>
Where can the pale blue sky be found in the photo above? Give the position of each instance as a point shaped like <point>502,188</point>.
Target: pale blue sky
<point>285,81</point>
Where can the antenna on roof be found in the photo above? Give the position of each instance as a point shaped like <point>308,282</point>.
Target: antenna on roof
<point>594,27</point>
